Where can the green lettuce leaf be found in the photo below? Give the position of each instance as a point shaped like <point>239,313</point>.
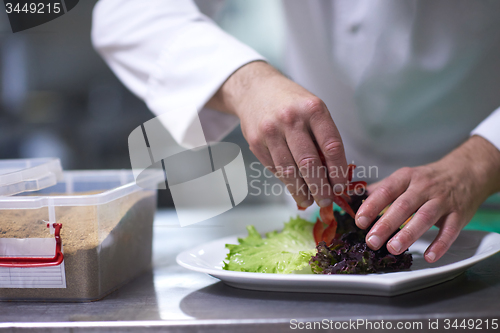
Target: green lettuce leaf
<point>279,252</point>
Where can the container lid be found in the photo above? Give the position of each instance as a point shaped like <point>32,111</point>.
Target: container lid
<point>26,175</point>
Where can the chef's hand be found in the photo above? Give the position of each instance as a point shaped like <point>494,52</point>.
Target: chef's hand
<point>283,123</point>
<point>446,193</point>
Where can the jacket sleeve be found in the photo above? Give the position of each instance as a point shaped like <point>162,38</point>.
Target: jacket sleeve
<point>173,57</point>
<point>490,128</point>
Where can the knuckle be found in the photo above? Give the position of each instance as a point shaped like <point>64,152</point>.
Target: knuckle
<point>450,232</point>
<point>314,104</point>
<point>271,168</point>
<point>333,149</point>
<point>268,128</point>
<point>426,170</point>
<point>427,215</point>
<point>442,244</point>
<point>289,116</point>
<point>253,143</point>
<point>407,235</point>
<point>403,204</point>
<point>314,107</point>
<point>405,172</point>
<point>306,162</point>
<point>446,237</point>
<point>285,171</point>
<point>385,192</point>
<point>384,226</point>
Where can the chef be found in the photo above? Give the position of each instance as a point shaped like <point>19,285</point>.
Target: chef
<point>410,87</point>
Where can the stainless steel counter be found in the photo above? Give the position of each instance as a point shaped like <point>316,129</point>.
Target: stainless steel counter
<point>174,299</point>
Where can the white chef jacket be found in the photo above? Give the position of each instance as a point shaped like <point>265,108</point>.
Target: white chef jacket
<point>405,81</point>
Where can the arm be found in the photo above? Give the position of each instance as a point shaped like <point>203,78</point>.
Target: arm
<point>171,56</point>
<point>175,59</point>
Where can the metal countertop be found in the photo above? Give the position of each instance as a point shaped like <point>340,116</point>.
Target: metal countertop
<point>174,299</point>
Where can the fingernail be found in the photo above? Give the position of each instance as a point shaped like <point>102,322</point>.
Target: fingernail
<point>374,241</point>
<point>363,222</point>
<point>396,245</point>
<point>325,202</point>
<point>431,256</point>
<point>306,203</point>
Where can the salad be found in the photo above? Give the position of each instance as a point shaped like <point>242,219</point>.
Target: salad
<point>332,245</point>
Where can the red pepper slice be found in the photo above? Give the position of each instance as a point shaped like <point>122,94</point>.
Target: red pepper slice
<point>350,170</point>
<point>326,214</point>
<point>330,232</point>
<point>359,182</point>
<point>318,231</point>
<point>343,205</point>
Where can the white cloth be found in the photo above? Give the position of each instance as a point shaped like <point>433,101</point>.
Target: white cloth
<point>405,81</point>
<point>171,56</point>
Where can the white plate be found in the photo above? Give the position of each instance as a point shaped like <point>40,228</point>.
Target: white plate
<point>470,248</point>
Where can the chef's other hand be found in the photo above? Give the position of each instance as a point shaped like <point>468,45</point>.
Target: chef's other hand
<point>285,125</point>
<point>445,193</point>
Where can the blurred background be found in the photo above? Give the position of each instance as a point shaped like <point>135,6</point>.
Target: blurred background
<point>59,99</point>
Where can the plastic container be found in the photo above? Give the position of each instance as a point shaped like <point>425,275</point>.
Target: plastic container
<point>17,176</point>
<point>104,221</point>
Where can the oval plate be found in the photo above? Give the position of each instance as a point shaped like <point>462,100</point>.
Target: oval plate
<point>469,248</point>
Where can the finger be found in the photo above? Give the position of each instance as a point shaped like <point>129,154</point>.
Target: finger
<point>310,166</point>
<point>372,187</point>
<point>263,155</point>
<point>402,208</point>
<point>329,141</point>
<point>424,218</point>
<point>386,192</point>
<point>448,233</point>
<point>286,171</point>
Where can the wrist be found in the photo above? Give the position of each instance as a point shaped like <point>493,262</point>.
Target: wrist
<point>239,86</point>
<point>488,163</point>
<point>479,162</point>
